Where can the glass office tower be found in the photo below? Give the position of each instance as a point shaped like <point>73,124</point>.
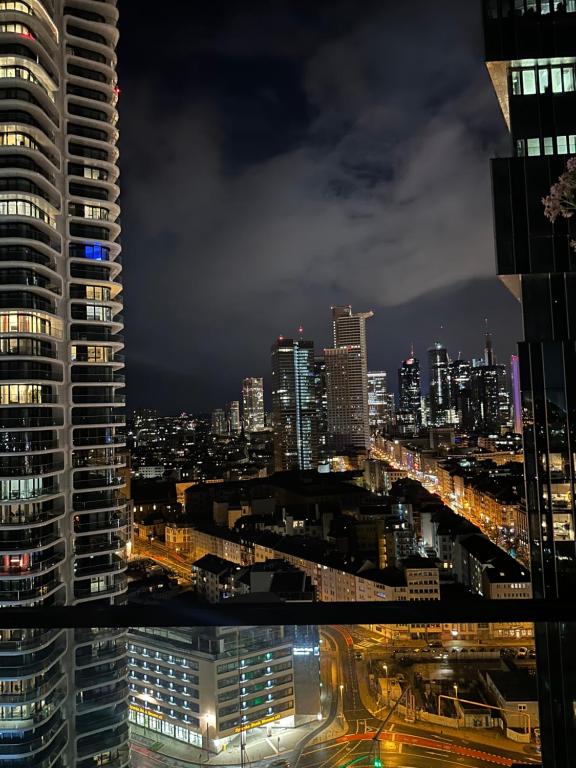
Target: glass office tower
<point>531,58</point>
<point>62,512</point>
<point>294,405</point>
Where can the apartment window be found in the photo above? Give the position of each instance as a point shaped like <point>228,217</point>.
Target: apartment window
<point>20,29</point>
<point>548,145</point>
<point>23,208</point>
<point>14,5</point>
<point>533,147</point>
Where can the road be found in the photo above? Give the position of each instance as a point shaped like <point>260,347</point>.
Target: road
<point>158,552</point>
<point>401,745</point>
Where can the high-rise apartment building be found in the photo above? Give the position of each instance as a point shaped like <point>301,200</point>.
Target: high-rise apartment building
<point>409,415</point>
<point>439,373</point>
<point>253,404</point>
<point>63,518</point>
<point>294,405</point>
<point>347,381</point>
<point>531,58</point>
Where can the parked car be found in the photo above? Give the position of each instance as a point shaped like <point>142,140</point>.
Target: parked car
<point>522,653</point>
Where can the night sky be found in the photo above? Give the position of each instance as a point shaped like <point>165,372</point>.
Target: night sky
<point>280,157</point>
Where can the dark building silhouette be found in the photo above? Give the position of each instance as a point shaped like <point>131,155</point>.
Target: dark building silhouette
<point>531,58</point>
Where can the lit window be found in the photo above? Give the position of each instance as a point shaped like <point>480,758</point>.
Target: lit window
<point>543,80</point>
<point>568,78</point>
<point>528,81</point>
<point>548,145</point>
<point>556,79</point>
<point>533,146</point>
<point>562,145</point>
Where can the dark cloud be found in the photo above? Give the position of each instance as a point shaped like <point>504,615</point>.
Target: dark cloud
<point>299,158</point>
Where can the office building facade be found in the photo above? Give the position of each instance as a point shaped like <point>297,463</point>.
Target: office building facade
<point>233,418</point>
<point>409,414</point>
<point>294,405</point>
<point>531,59</point>
<point>63,523</point>
<point>347,381</point>
<point>206,685</point>
<point>253,404</point>
<point>440,395</point>
<point>379,413</point>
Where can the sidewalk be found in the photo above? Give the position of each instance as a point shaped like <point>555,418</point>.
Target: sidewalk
<point>480,739</point>
<point>260,747</point>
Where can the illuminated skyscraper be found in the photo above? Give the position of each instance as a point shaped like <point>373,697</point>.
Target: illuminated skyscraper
<point>409,416</point>
<point>219,423</point>
<point>233,417</point>
<point>321,407</point>
<point>63,521</point>
<point>490,404</point>
<point>294,405</point>
<point>378,400</point>
<point>461,393</point>
<point>253,404</point>
<point>347,380</point>
<point>531,58</point>
<point>439,373</point>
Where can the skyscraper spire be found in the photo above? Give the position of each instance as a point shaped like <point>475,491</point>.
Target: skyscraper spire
<point>489,358</point>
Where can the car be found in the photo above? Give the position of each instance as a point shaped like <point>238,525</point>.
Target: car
<point>435,644</point>
<point>358,655</point>
<point>522,653</point>
<point>532,653</point>
<point>279,764</point>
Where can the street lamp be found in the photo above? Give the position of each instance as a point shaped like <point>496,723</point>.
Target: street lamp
<point>385,667</point>
<point>342,699</point>
<point>456,706</point>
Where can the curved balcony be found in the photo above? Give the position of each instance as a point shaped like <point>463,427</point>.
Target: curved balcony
<point>27,467</point>
<point>29,141</point>
<point>34,569</point>
<point>80,419</point>
<point>32,596</point>
<point>98,441</point>
<point>34,519</point>
<point>18,641</point>
<point>95,545</point>
<point>97,483</point>
<point>31,422</point>
<point>91,635</point>
<point>26,746</point>
<point>90,527</point>
<point>89,746</point>
<point>93,703</point>
<point>103,568</point>
<point>86,657</point>
<point>13,492</point>
<point>84,591</point>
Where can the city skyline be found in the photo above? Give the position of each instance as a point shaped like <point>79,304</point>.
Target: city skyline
<point>335,190</point>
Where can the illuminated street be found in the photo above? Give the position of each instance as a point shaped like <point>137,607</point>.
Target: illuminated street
<point>158,552</point>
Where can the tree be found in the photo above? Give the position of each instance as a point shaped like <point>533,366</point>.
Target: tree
<point>562,198</point>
